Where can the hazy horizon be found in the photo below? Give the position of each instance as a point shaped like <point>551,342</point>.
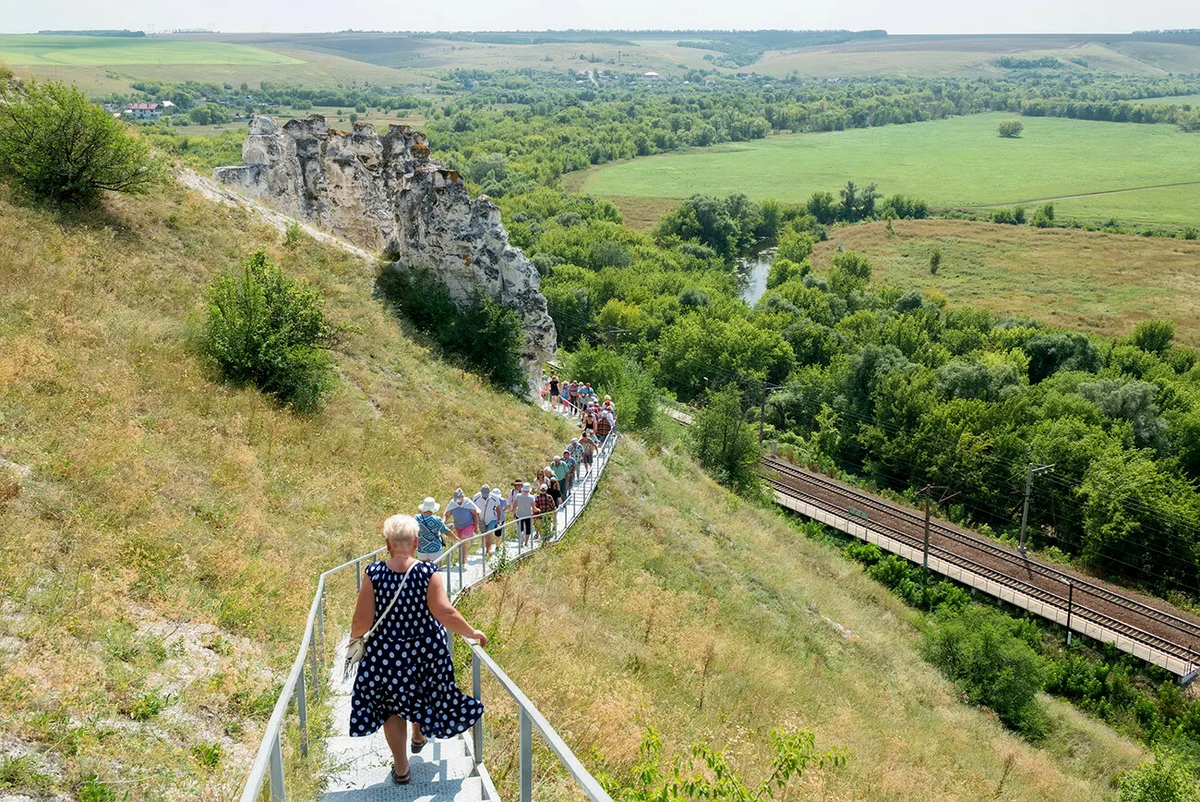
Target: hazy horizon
<point>930,17</point>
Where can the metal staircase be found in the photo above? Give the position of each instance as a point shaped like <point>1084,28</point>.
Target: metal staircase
<point>448,770</point>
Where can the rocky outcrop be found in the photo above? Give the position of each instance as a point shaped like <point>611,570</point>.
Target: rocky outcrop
<point>385,194</point>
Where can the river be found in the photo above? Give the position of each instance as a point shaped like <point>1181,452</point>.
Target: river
<point>752,275</point>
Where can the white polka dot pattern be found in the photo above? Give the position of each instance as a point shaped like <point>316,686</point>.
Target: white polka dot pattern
<point>407,670</point>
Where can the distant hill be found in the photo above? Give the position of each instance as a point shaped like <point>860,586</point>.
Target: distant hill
<point>123,32</point>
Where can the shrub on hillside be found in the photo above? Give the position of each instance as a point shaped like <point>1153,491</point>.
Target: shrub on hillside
<point>725,444</point>
<point>978,649</point>
<point>481,331</point>
<point>1167,779</point>
<point>268,329</point>
<point>63,148</point>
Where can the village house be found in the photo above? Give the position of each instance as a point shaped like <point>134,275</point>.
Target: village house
<point>144,111</point>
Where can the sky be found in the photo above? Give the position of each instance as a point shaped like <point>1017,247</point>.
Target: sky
<point>913,16</point>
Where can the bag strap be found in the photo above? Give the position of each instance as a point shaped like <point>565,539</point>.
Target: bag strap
<point>388,609</point>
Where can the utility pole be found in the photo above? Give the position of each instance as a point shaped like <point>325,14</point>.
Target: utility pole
<point>768,388</point>
<point>1031,471</point>
<point>927,491</point>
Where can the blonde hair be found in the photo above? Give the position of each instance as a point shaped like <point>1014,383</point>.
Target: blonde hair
<point>400,531</point>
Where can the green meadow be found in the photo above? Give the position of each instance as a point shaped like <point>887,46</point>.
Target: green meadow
<point>1094,170</point>
<point>36,50</point>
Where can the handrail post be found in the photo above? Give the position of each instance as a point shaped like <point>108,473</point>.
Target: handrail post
<point>302,712</point>
<point>316,675</point>
<point>358,574</point>
<point>278,794</point>
<point>321,620</point>
<point>526,761</point>
<point>477,692</point>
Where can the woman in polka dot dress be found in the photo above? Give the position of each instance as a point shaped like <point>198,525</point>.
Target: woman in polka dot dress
<point>406,673</point>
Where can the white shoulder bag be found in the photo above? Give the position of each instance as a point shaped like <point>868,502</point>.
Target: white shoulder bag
<point>358,646</point>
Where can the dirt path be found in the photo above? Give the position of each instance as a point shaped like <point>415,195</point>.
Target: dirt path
<point>210,189</point>
<point>1085,195</point>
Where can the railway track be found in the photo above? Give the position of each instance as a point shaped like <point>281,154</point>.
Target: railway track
<point>1153,624</point>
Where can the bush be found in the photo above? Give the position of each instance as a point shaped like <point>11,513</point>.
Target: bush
<point>268,329</point>
<point>724,444</point>
<point>1044,216</point>
<point>1154,336</point>
<point>481,331</point>
<point>1011,128</point>
<point>65,149</point>
<point>1165,780</point>
<point>935,260</point>
<point>977,649</point>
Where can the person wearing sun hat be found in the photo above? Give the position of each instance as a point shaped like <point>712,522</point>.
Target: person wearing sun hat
<point>488,502</point>
<point>431,530</point>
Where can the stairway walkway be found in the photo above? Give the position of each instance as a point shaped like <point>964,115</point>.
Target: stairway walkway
<point>445,771</point>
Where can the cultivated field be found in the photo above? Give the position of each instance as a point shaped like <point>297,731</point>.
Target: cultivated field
<point>1103,283</point>
<point>923,56</point>
<point>109,71</point>
<point>1097,170</point>
<point>87,51</point>
<point>402,51</point>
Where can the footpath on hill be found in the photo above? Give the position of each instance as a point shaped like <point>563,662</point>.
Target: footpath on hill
<point>447,770</point>
<point>215,192</point>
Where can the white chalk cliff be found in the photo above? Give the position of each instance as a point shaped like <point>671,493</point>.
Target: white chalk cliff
<point>384,193</point>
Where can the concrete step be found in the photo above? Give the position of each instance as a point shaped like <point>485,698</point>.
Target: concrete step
<point>370,766</point>
<point>465,789</point>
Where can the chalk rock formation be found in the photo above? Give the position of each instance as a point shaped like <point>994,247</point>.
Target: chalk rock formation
<point>384,193</point>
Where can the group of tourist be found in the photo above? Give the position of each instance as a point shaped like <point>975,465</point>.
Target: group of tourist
<point>597,417</point>
<point>405,672</point>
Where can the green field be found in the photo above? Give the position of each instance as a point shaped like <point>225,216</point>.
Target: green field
<point>1173,100</point>
<point>84,51</point>
<point>1097,170</point>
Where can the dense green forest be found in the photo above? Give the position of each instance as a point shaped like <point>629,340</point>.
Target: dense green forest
<point>890,385</point>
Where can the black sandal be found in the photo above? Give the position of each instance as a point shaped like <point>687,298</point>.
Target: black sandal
<point>400,779</point>
<point>417,747</point>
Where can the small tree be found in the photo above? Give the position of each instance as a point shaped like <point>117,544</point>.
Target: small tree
<point>724,443</point>
<point>1154,336</point>
<point>63,148</point>
<point>1011,129</point>
<point>268,329</point>
<point>935,260</point>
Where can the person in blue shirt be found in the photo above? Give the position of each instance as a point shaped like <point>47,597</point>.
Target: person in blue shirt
<point>431,531</point>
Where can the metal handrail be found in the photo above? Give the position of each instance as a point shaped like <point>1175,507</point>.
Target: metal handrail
<point>268,761</point>
<point>530,717</point>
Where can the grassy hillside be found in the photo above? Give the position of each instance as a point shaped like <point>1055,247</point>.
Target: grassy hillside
<point>159,559</point>
<point>1130,172</point>
<point>157,556</point>
<point>1105,283</point>
<point>611,632</point>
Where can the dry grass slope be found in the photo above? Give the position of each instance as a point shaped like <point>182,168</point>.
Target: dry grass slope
<point>162,503</point>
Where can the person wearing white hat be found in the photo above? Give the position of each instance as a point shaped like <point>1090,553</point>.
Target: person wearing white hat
<point>487,501</point>
<point>431,530</point>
